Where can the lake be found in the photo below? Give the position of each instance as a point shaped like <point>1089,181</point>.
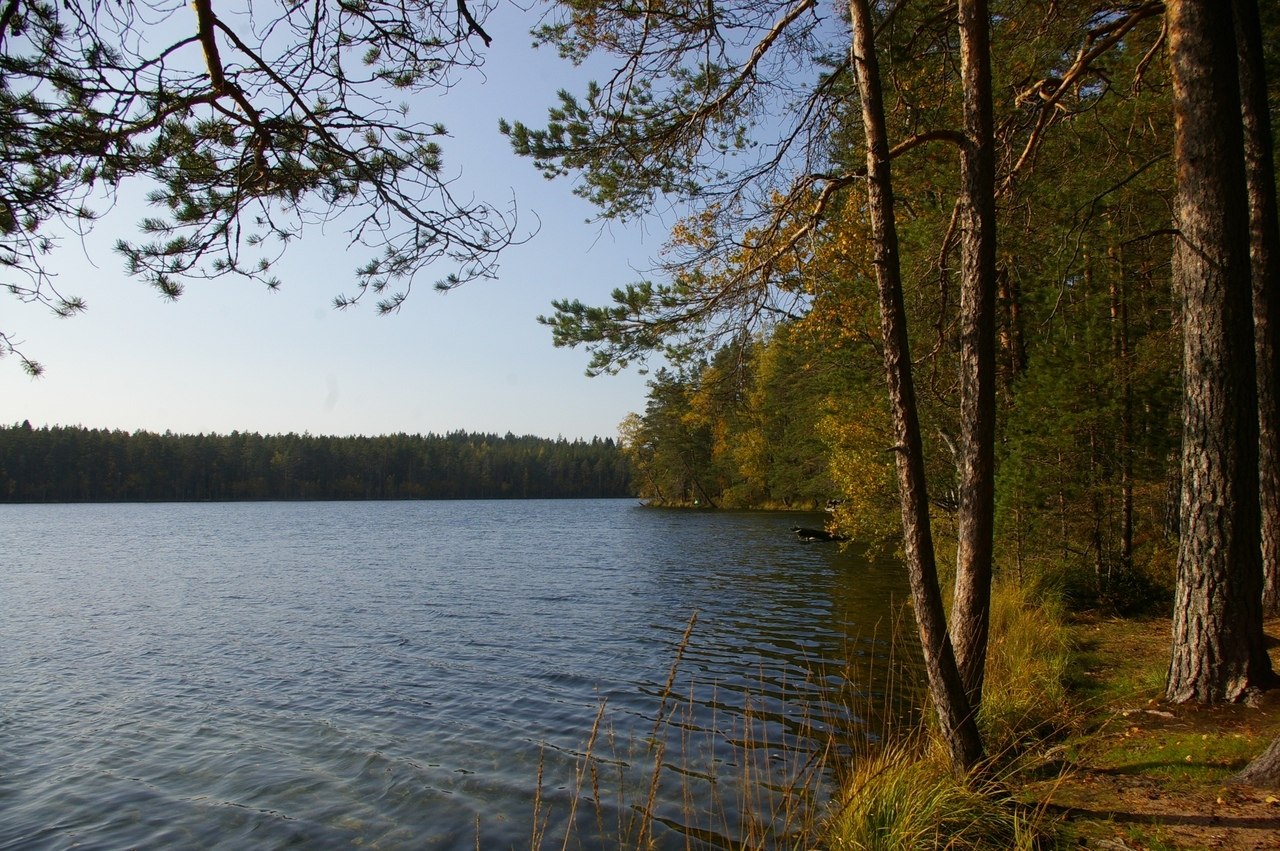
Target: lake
<point>423,674</point>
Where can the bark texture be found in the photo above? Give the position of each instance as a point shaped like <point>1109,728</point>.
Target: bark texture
<point>959,727</point>
<point>1264,770</point>
<point>971,605</point>
<point>1217,626</point>
<point>1264,250</point>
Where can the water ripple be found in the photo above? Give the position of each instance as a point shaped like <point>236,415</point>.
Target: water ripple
<point>395,674</point>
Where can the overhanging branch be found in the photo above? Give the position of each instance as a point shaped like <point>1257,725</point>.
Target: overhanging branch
<point>473,23</point>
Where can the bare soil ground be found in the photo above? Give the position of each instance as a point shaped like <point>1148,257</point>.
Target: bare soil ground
<point>1145,774</point>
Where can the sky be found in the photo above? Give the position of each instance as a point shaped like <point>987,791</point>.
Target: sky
<point>231,355</point>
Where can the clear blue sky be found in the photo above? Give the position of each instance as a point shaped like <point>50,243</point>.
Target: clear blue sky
<point>230,355</point>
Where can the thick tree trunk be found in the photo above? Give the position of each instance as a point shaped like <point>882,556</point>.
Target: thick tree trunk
<point>1264,249</point>
<point>970,611</point>
<point>1217,626</point>
<point>956,719</point>
<point>1264,769</point>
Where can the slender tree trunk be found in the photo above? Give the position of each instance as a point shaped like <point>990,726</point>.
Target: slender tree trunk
<point>971,606</point>
<point>959,727</point>
<point>1264,249</point>
<point>1120,349</point>
<point>1217,626</point>
<point>1011,337</point>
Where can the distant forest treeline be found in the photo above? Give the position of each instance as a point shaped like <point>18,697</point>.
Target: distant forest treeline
<point>74,464</point>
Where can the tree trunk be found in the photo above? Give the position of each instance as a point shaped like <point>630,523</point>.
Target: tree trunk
<point>1011,336</point>
<point>1217,624</point>
<point>955,716</point>
<point>1264,769</point>
<point>971,606</point>
<point>1120,350</point>
<point>1264,249</point>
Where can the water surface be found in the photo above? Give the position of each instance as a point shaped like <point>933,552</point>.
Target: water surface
<point>400,674</point>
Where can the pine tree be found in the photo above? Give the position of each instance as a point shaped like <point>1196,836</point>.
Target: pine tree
<point>252,126</point>
<point>1218,650</point>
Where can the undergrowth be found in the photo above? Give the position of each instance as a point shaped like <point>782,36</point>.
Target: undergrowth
<point>905,794</point>
<point>1025,700</point>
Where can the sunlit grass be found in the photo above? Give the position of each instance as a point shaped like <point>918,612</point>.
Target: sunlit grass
<point>1116,660</point>
<point>904,795</point>
<point>1025,699</point>
<point>1171,756</point>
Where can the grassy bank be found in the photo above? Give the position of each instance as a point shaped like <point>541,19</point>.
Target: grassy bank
<point>1086,753</point>
<point>1144,774</point>
<point>904,795</point>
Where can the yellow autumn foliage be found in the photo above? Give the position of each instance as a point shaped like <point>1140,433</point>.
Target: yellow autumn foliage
<point>862,468</point>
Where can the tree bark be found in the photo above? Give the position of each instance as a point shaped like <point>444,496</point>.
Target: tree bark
<point>1218,651</point>
<point>971,606</point>
<point>956,718</point>
<point>1264,769</point>
<point>1264,249</point>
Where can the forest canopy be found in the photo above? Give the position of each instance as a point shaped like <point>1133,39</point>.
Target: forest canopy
<point>1046,225</point>
<point>73,464</point>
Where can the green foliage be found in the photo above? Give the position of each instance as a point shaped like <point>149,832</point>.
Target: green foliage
<point>251,127</point>
<point>617,335</point>
<point>746,429</point>
<point>1091,399</point>
<point>670,449</point>
<point>93,465</point>
<point>862,466</point>
<point>574,138</point>
<point>775,251</point>
<point>678,106</point>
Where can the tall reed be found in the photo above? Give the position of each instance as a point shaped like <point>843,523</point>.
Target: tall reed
<point>718,769</point>
<point>754,776</point>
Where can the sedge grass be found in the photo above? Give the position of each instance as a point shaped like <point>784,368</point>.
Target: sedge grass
<point>1025,699</point>
<point>905,796</point>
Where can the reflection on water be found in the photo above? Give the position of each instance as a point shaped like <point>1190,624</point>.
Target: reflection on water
<point>420,675</point>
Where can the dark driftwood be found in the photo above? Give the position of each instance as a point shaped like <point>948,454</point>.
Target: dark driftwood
<point>806,533</point>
